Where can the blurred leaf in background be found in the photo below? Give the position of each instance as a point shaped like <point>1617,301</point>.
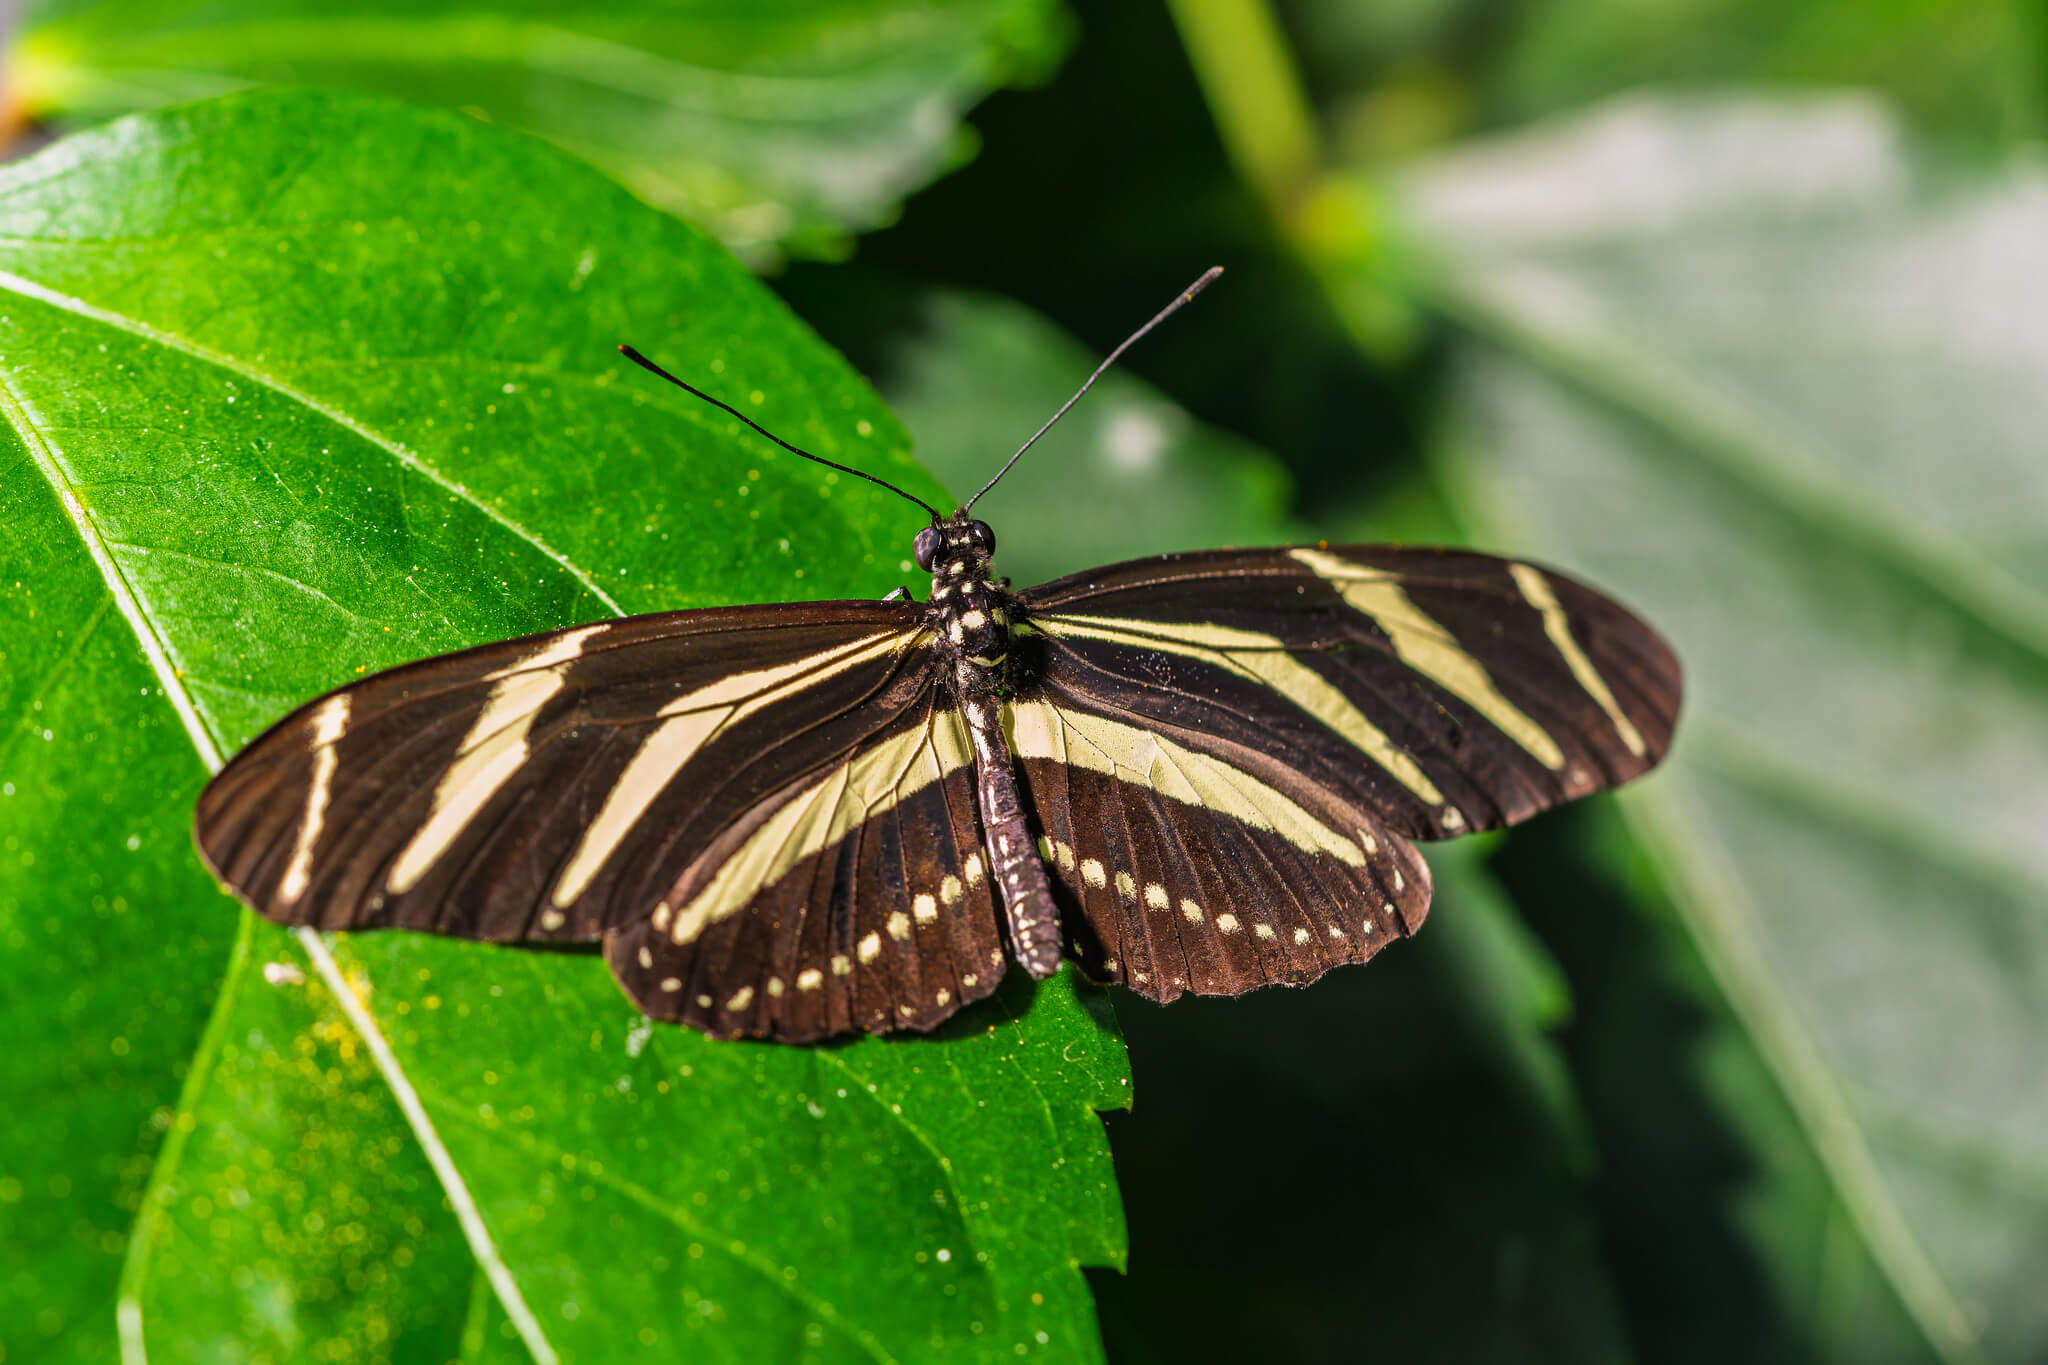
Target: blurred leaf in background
<point>777,126</point>
<point>1405,75</point>
<point>279,416</point>
<point>1739,341</point>
<point>1733,348</point>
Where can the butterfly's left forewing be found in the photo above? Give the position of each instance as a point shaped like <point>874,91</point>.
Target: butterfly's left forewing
<point>551,788</point>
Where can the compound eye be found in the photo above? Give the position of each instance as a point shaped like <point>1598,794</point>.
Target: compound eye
<point>926,547</point>
<point>984,538</point>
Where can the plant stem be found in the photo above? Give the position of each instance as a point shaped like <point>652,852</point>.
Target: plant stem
<point>1255,95</point>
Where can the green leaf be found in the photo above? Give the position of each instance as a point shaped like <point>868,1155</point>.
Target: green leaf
<point>1786,400</point>
<point>775,130</point>
<point>1272,1158</point>
<point>297,386</point>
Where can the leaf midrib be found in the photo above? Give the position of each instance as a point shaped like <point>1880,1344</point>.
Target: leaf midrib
<point>550,1155</point>
<point>1718,914</point>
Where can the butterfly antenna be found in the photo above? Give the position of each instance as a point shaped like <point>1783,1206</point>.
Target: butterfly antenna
<point>644,363</point>
<point>1186,297</point>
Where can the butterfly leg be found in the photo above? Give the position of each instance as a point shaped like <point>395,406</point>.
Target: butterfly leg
<point>1033,920</point>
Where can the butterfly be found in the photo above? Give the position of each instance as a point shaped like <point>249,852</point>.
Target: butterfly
<point>1201,772</point>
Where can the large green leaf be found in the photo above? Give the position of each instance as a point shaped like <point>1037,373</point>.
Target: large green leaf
<point>1737,358</point>
<point>297,386</point>
<point>784,125</point>
<point>1408,1126</point>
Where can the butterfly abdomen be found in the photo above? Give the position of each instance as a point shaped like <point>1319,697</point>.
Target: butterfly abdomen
<point>970,616</point>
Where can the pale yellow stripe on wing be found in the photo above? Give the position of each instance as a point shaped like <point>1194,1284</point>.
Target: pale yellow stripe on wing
<point>1537,592</point>
<point>1129,753</point>
<point>1265,660</point>
<point>1429,649</point>
<point>328,723</point>
<point>494,749</point>
<point>875,780</point>
<point>688,724</point>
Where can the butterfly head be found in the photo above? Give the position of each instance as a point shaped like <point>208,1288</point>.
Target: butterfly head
<point>961,547</point>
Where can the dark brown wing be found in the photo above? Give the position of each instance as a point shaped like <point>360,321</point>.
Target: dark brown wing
<point>1198,868</point>
<point>1227,752</point>
<point>553,787</point>
<point>856,898</point>
<point>1445,690</point>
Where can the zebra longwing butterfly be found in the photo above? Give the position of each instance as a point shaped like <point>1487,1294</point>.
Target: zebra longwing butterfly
<point>1198,772</point>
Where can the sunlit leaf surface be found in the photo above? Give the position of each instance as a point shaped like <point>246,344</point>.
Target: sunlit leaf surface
<point>772,125</point>
<point>297,386</point>
<point>1736,357</point>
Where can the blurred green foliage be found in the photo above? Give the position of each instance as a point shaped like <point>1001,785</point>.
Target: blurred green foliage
<point>1732,305</point>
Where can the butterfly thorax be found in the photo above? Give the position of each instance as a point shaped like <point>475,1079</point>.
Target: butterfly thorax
<point>970,610</point>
